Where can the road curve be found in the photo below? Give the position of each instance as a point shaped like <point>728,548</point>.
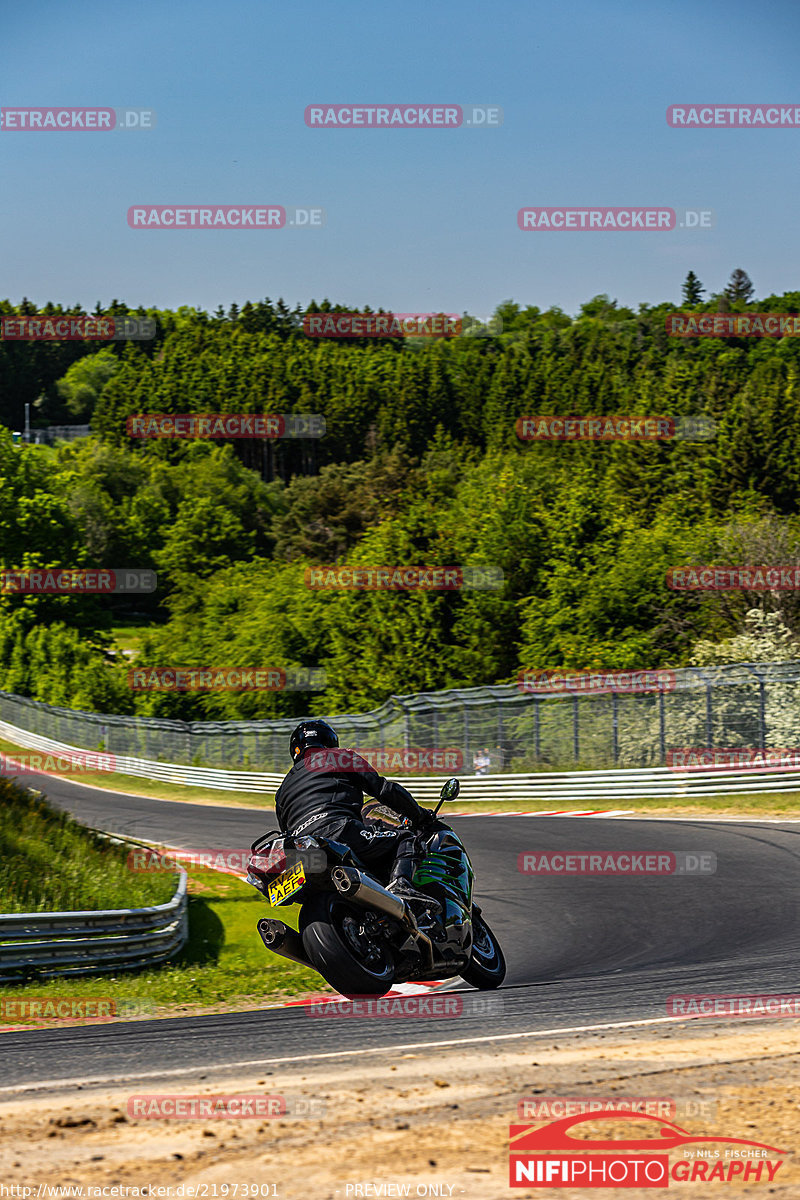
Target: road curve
<point>581,951</point>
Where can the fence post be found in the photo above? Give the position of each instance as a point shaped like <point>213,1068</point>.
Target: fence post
<point>762,703</point>
<point>661,728</point>
<point>709,716</point>
<point>537,740</point>
<point>575,740</point>
<point>501,737</point>
<point>614,725</point>
<point>466,735</point>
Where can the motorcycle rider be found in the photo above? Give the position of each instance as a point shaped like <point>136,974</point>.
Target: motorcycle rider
<point>323,794</point>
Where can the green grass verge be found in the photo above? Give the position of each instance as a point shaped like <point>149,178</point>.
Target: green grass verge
<point>51,863</point>
<point>223,967</point>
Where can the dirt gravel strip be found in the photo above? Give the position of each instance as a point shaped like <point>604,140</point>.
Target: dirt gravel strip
<point>433,1122</point>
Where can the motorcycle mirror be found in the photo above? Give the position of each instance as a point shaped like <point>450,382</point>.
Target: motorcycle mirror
<point>450,789</point>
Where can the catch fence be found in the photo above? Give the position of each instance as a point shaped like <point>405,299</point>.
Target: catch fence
<point>754,705</point>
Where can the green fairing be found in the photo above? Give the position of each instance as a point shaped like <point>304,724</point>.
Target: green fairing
<point>448,866</point>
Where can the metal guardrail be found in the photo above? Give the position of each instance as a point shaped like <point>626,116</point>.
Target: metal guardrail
<point>573,787</point>
<point>580,787</point>
<point>49,944</point>
<point>210,777</point>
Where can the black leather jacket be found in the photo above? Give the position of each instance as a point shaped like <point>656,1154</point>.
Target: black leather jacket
<point>319,791</point>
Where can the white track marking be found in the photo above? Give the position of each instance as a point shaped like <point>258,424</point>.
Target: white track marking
<point>176,1072</point>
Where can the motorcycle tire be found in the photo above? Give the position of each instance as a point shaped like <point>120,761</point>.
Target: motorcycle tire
<point>486,968</point>
<point>355,966</point>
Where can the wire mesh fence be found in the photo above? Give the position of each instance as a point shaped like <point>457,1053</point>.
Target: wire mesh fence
<point>746,705</point>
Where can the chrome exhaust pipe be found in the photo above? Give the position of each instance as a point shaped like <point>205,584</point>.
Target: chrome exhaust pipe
<point>280,939</point>
<point>356,887</point>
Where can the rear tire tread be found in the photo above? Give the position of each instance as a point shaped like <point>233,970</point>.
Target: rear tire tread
<point>331,956</point>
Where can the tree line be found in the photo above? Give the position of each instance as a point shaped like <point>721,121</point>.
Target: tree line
<point>421,464</point>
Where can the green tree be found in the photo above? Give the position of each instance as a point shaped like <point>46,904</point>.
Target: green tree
<point>692,291</point>
<point>739,286</point>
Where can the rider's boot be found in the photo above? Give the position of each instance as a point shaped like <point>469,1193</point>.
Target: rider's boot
<point>402,876</point>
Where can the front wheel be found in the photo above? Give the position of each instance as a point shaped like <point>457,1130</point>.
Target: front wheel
<point>486,968</point>
<point>342,950</point>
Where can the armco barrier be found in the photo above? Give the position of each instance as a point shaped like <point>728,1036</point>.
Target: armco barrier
<point>45,945</point>
<point>571,787</point>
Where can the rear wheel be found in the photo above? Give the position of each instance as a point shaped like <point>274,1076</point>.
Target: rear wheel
<point>487,967</point>
<point>343,950</point>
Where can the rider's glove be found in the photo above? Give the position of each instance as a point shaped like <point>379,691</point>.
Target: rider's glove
<point>425,820</point>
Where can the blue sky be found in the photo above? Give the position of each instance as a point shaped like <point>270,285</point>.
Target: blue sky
<point>415,219</point>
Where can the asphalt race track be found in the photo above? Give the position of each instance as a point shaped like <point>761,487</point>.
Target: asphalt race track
<point>580,951</point>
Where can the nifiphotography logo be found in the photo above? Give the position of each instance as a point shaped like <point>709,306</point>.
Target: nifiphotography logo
<point>554,1156</point>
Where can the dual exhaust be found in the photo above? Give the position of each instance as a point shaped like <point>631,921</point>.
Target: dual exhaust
<point>368,894</point>
<point>280,939</point>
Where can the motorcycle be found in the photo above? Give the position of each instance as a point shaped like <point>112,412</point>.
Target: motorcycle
<point>362,938</point>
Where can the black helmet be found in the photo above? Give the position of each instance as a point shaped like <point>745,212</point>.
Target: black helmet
<point>311,733</point>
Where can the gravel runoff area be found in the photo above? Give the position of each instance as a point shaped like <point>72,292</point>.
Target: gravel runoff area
<point>409,1121</point>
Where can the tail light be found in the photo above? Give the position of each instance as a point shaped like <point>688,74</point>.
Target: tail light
<point>271,862</point>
